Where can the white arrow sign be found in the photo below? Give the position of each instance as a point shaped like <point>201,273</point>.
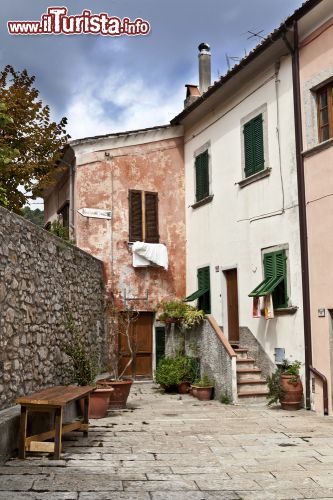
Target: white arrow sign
<point>96,213</point>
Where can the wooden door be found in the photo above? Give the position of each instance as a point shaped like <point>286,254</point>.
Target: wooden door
<point>141,341</point>
<point>232,300</point>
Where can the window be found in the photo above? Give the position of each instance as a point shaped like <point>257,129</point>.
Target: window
<point>202,176</point>
<point>143,216</point>
<point>203,292</point>
<point>325,112</point>
<point>253,146</point>
<point>275,279</point>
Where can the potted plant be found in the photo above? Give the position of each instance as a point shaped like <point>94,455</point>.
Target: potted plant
<point>120,328</point>
<point>285,386</point>
<point>171,311</point>
<point>177,311</point>
<point>186,373</point>
<point>166,374</point>
<point>203,388</point>
<point>83,370</point>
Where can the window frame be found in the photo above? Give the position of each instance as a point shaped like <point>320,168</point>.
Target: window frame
<point>143,215</point>
<point>266,170</point>
<point>255,166</point>
<point>328,89</point>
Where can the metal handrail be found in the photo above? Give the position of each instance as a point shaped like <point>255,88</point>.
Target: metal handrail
<point>325,390</point>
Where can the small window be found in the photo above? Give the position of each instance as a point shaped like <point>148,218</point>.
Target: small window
<point>254,146</point>
<point>325,112</point>
<point>202,176</point>
<point>203,292</point>
<point>143,216</point>
<point>275,279</point>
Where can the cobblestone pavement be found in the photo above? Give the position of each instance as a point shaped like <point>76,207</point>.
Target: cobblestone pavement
<point>170,447</point>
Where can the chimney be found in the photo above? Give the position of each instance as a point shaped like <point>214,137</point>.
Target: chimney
<point>204,67</point>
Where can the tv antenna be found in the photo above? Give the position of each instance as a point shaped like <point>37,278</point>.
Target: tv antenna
<point>254,34</point>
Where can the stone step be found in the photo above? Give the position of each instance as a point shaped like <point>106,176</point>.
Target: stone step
<point>245,363</point>
<point>253,398</point>
<point>241,353</point>
<point>248,373</point>
<point>251,385</point>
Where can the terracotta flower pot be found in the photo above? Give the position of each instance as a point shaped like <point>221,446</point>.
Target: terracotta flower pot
<point>193,391</point>
<point>202,393</point>
<point>99,402</point>
<point>120,393</point>
<point>293,392</point>
<point>183,387</point>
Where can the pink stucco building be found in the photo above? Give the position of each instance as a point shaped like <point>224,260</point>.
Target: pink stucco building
<point>135,181</point>
<point>316,91</point>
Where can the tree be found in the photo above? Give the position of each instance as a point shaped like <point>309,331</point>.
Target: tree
<point>31,142</point>
<point>5,155</point>
<point>36,216</point>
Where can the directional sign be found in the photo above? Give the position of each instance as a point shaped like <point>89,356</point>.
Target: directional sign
<point>95,213</point>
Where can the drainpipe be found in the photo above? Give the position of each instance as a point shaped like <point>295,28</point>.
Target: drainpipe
<point>71,200</point>
<point>294,50</point>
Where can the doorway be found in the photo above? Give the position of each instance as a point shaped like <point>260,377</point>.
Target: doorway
<point>232,305</point>
<point>141,335</point>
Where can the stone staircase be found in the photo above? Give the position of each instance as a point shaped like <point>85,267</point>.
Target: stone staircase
<point>251,386</point>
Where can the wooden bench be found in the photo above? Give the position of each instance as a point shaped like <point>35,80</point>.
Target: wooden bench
<point>52,400</point>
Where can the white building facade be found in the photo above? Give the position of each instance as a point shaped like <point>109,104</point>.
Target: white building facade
<point>242,224</point>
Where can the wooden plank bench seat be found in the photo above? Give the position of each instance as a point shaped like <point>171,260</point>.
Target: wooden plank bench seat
<point>52,400</point>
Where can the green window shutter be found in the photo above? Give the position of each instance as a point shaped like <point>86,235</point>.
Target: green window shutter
<point>202,176</point>
<point>248,149</point>
<point>204,283</point>
<point>275,280</point>
<point>258,143</point>
<point>254,146</point>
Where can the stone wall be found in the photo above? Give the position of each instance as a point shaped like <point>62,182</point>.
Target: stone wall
<point>41,275</point>
<point>202,342</point>
<point>256,351</point>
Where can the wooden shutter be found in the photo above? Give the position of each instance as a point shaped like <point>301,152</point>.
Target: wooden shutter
<point>275,266</point>
<point>248,149</point>
<point>258,143</point>
<point>151,218</point>
<point>254,146</point>
<point>135,216</point>
<point>204,283</point>
<point>202,176</point>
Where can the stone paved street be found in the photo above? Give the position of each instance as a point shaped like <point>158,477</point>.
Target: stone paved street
<point>170,447</point>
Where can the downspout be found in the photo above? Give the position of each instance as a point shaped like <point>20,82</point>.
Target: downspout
<point>294,50</point>
<point>71,200</point>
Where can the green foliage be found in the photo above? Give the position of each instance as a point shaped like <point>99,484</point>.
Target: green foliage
<point>275,391</point>
<point>205,381</point>
<point>84,363</point>
<point>172,371</point>
<point>291,368</point>
<point>59,230</point>
<point>177,310</point>
<point>192,317</point>
<point>36,216</point>
<point>30,143</point>
<point>225,398</point>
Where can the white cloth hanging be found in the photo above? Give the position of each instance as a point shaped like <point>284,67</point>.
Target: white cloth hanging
<point>146,254</point>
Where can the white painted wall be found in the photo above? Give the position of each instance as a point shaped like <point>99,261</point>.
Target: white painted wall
<point>220,233</point>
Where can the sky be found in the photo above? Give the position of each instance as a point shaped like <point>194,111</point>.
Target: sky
<point>109,84</point>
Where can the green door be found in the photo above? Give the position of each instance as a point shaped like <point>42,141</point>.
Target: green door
<point>160,343</point>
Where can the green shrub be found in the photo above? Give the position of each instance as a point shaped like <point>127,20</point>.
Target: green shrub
<point>225,398</point>
<point>171,371</point>
<point>205,381</point>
